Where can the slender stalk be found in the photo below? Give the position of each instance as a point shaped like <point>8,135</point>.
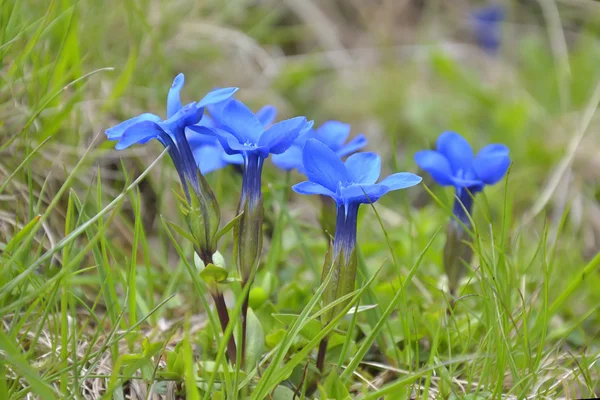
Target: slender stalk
<point>244,321</point>
<point>321,354</point>
<point>224,319</point>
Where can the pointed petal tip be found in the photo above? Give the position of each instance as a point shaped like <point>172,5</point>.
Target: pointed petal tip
<point>178,81</point>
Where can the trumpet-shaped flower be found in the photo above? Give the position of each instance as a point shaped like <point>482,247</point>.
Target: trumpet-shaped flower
<point>171,132</point>
<point>240,131</point>
<point>332,133</point>
<point>207,149</point>
<point>350,184</point>
<point>454,164</point>
<point>202,211</point>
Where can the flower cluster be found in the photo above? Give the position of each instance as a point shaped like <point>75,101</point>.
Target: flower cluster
<point>220,130</point>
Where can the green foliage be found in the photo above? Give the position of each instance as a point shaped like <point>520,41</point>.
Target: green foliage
<point>99,287</point>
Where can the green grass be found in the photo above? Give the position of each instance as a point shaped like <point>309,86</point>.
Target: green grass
<point>99,294</point>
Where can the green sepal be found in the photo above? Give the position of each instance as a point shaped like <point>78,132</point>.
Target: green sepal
<point>457,254</point>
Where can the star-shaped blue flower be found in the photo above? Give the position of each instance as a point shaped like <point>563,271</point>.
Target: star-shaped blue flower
<point>351,182</point>
<point>170,132</point>
<point>454,164</point>
<point>207,149</point>
<point>332,133</point>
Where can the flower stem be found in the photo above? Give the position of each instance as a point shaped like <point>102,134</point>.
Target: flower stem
<point>321,354</point>
<point>244,321</point>
<point>224,319</point>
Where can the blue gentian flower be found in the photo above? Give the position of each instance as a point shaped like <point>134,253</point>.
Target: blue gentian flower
<point>202,210</point>
<point>332,133</point>
<point>349,184</point>
<point>487,26</point>
<point>171,132</point>
<point>207,149</point>
<point>240,131</point>
<point>453,164</point>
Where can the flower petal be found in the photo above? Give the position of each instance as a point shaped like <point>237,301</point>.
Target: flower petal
<point>208,158</point>
<point>363,167</point>
<point>217,96</point>
<point>363,193</point>
<point>333,134</point>
<point>280,136</point>
<point>491,163</point>
<point>401,180</point>
<point>117,131</point>
<point>266,115</point>
<point>323,166</point>
<point>353,146</point>
<point>289,159</point>
<point>173,100</point>
<point>307,187</point>
<point>239,120</point>
<point>436,165</point>
<point>140,133</point>
<point>457,151</point>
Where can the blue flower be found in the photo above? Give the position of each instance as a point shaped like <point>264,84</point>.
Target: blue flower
<point>240,131</point>
<point>332,133</point>
<point>454,164</point>
<point>487,24</point>
<point>349,183</point>
<point>207,149</point>
<point>171,132</point>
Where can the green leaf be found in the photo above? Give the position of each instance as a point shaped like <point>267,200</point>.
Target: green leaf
<point>211,274</point>
<point>273,339</point>
<point>283,393</point>
<point>228,227</point>
<point>334,388</point>
<point>308,331</point>
<point>255,342</point>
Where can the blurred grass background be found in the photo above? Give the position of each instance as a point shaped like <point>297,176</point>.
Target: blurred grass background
<point>399,71</point>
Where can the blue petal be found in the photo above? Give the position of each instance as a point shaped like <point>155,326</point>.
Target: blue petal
<point>217,96</point>
<point>313,188</point>
<point>280,136</point>
<point>233,158</point>
<point>333,134</point>
<point>266,115</point>
<point>491,163</point>
<point>173,100</point>
<point>436,165</point>
<point>353,146</point>
<point>307,129</point>
<point>208,158</point>
<point>239,120</point>
<point>289,159</point>
<point>117,131</point>
<point>363,167</point>
<point>323,166</point>
<point>401,180</point>
<point>140,133</point>
<point>363,193</point>
<point>457,151</point>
